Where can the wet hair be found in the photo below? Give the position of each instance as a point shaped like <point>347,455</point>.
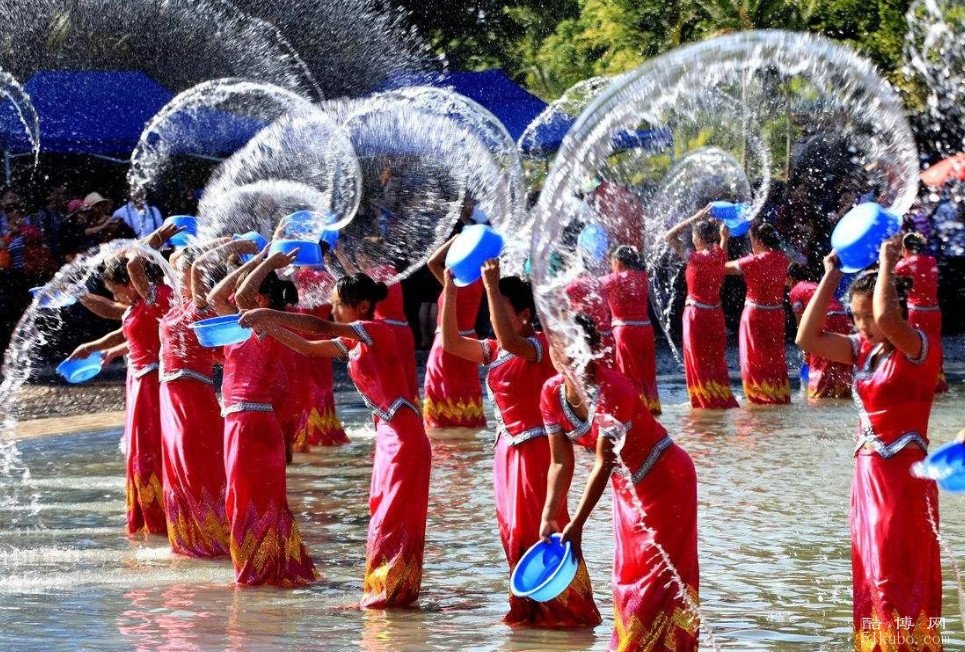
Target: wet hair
<point>913,242</point>
<point>629,257</point>
<point>115,271</point>
<point>590,333</point>
<point>864,285</point>
<point>707,231</point>
<point>356,288</point>
<point>519,293</point>
<point>280,293</point>
<point>767,235</point>
<point>798,272</point>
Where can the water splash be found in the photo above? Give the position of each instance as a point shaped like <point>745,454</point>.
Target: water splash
<point>559,113</point>
<point>930,512</point>
<point>12,90</point>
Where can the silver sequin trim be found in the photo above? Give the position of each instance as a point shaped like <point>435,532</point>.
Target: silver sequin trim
<point>649,463</point>
<point>143,371</point>
<point>763,306</point>
<point>246,406</point>
<point>395,322</point>
<point>362,333</point>
<point>397,404</point>
<point>189,374</point>
<point>895,447</point>
<point>630,322</point>
<point>704,306</point>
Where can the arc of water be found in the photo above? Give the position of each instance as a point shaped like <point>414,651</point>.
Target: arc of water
<point>11,89</point>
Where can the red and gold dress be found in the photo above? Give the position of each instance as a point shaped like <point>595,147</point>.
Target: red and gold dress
<point>653,612</point>
<point>453,395</point>
<point>192,438</point>
<point>142,423</point>
<point>266,546</point>
<point>923,309</point>
<point>627,294</point>
<point>826,379</point>
<point>520,467</point>
<point>895,557</point>
<point>399,491</point>
<point>705,335</point>
<point>762,356</point>
<point>586,295</point>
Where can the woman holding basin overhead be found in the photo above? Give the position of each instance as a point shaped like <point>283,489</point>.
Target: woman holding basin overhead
<point>655,569</point>
<point>517,366</point>
<point>895,557</point>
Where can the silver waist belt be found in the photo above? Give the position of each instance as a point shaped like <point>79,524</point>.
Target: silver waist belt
<point>246,406</point>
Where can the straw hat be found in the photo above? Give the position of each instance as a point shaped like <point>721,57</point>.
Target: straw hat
<point>93,199</point>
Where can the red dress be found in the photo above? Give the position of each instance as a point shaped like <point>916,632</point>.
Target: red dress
<point>826,379</point>
<point>266,547</point>
<point>520,466</point>
<point>923,309</point>
<point>192,433</point>
<point>895,558</point>
<point>142,425</point>
<point>627,294</point>
<point>586,295</point>
<point>453,395</point>
<point>762,355</point>
<point>391,310</point>
<point>705,335</point>
<point>649,612</point>
<point>399,492</point>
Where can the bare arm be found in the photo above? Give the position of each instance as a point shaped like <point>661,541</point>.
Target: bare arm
<point>157,238</point>
<point>437,262</point>
<point>308,348</point>
<point>510,341</point>
<point>724,238</point>
<point>674,235</point>
<point>220,294</point>
<point>887,309</point>
<point>203,266</point>
<point>732,268</point>
<point>102,306</point>
<point>247,292</point>
<point>811,336</point>
<point>467,348</point>
<point>115,352</point>
<point>114,338</point>
<point>595,485</point>
<point>136,270</point>
<point>558,481</point>
<point>262,319</point>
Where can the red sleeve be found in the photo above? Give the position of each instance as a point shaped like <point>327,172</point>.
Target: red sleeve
<point>490,349</point>
<point>748,264</point>
<point>904,268</point>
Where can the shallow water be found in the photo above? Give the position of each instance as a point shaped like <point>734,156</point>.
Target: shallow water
<point>775,556</point>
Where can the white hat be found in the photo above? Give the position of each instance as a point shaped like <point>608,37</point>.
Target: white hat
<point>93,199</point>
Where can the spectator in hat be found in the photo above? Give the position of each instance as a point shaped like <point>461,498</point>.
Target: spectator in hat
<point>101,224</point>
<point>143,218</point>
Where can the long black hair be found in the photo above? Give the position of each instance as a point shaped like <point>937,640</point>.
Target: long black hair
<point>913,242</point>
<point>629,257</point>
<point>519,293</point>
<point>115,271</point>
<point>707,231</point>
<point>767,235</point>
<point>280,293</point>
<point>590,333</point>
<point>356,288</point>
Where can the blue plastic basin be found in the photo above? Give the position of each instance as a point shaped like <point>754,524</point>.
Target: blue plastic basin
<point>544,571</point>
<point>309,253</point>
<point>220,331</point>
<point>594,242</point>
<point>475,245</point>
<point>190,225</point>
<point>252,236</point>
<point>82,369</point>
<point>733,215</point>
<point>52,299</point>
<point>858,235</point>
<point>947,467</point>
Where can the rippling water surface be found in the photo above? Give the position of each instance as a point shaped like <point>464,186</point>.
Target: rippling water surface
<point>775,554</point>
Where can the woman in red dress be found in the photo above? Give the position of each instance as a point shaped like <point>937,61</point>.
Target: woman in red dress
<point>627,291</point>
<point>453,395</point>
<point>762,356</point>
<point>266,546</point>
<point>399,492</point>
<point>517,366</point>
<point>923,309</point>
<point>826,379</point>
<point>895,557</point>
<point>705,335</point>
<point>586,295</point>
<point>655,609</point>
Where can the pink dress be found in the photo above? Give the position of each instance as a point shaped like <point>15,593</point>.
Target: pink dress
<point>826,379</point>
<point>649,612</point>
<point>453,395</point>
<point>627,294</point>
<point>586,295</point>
<point>762,356</point>
<point>142,427</point>
<point>520,466</point>
<point>391,310</point>
<point>266,547</point>
<point>923,309</point>
<point>192,438</point>
<point>399,492</point>
<point>705,335</point>
<point>895,558</point>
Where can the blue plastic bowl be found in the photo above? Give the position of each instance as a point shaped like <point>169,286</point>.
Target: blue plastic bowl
<point>947,467</point>
<point>54,299</point>
<point>859,234</point>
<point>309,253</point>
<point>301,225</point>
<point>475,245</point>
<point>733,215</point>
<point>220,331</point>
<point>544,571</point>
<point>330,237</point>
<point>594,242</point>
<point>82,369</point>
<point>252,236</point>
<point>190,225</point>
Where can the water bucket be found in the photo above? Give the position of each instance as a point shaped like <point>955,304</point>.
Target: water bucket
<point>946,466</point>
<point>859,234</point>
<point>82,369</point>
<point>544,571</point>
<point>220,331</point>
<point>594,242</point>
<point>309,253</point>
<point>733,215</point>
<point>251,236</point>
<point>302,225</point>
<point>53,299</point>
<point>475,245</point>
<point>190,225</point>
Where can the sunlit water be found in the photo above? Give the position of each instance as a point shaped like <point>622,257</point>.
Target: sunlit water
<point>774,547</point>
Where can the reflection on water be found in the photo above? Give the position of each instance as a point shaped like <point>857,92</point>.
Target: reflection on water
<point>775,554</point>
